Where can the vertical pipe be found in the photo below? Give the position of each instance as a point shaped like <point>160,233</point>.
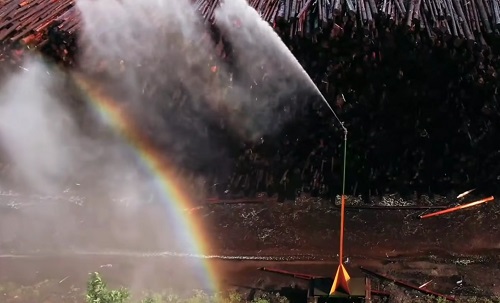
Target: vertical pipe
<point>342,207</point>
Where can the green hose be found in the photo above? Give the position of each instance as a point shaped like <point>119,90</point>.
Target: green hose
<point>345,160</point>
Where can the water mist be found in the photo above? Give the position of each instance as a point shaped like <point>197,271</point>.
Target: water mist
<point>157,61</point>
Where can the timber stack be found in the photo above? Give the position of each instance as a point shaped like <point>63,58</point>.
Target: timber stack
<point>470,20</point>
<point>28,21</point>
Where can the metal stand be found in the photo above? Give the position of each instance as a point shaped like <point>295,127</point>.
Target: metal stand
<point>341,280</point>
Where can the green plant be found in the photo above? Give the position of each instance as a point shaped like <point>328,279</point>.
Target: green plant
<point>98,292</point>
<point>202,297</point>
<point>234,297</point>
<point>270,298</point>
<point>441,300</point>
<point>199,297</point>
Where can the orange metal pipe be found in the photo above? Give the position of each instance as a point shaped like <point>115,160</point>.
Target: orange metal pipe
<point>341,249</point>
<point>406,284</point>
<point>463,206</point>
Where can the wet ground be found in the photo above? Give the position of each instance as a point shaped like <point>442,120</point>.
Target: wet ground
<point>459,252</point>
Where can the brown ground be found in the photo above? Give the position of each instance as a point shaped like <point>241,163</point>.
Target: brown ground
<point>299,237</point>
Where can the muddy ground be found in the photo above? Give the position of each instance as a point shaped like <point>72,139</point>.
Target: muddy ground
<point>53,245</point>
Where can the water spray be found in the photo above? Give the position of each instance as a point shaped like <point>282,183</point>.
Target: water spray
<point>345,135</point>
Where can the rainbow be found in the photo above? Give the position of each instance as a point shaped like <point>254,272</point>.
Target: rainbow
<point>170,189</point>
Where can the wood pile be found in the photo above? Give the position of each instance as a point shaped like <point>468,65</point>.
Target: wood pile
<point>465,19</point>
<point>28,20</point>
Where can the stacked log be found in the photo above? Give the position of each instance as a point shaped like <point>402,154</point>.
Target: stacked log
<point>463,19</point>
<point>27,20</point>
